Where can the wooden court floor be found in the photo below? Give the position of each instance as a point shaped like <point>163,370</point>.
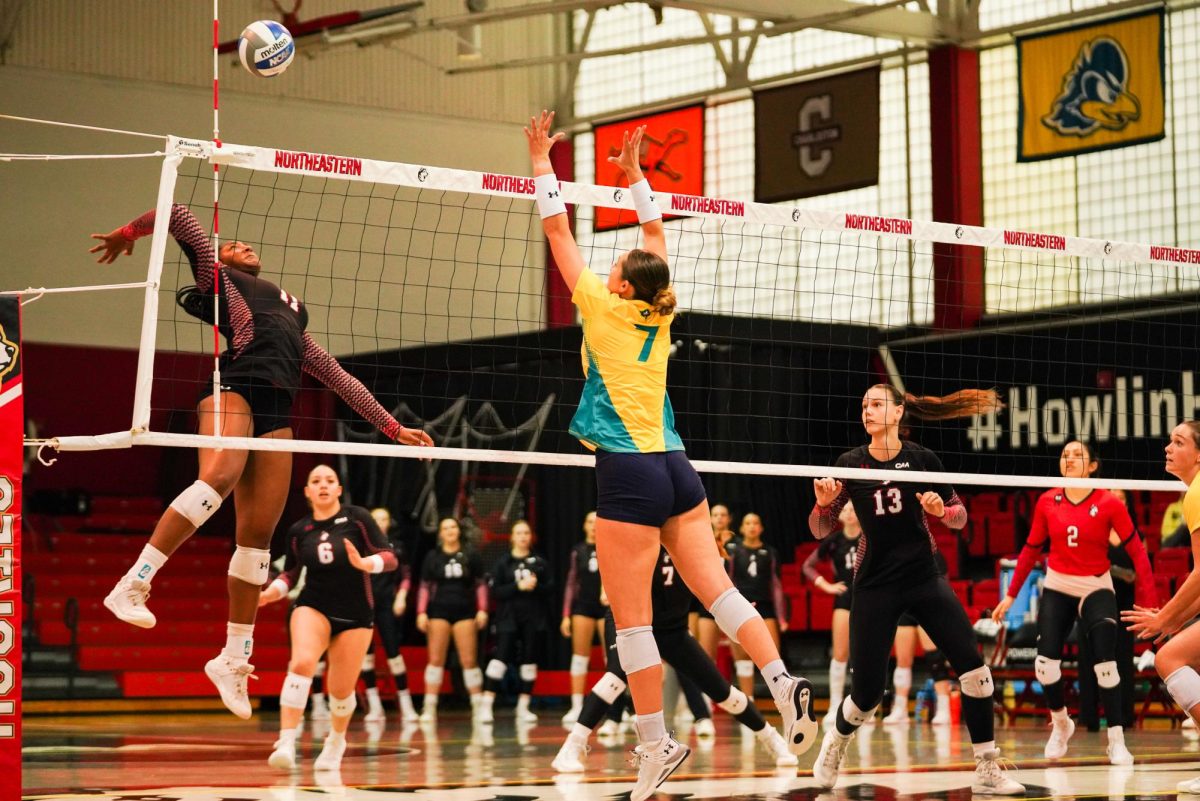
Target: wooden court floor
<point>216,757</point>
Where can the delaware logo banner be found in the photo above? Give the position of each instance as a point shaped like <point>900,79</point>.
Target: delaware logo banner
<point>1090,88</point>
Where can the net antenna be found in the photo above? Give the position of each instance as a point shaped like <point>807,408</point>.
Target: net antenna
<point>492,496</point>
<point>386,479</point>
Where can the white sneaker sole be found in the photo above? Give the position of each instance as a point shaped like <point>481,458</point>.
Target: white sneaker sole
<point>802,734</point>
<point>1016,789</point>
<point>566,767</point>
<point>224,699</point>
<point>670,770</point>
<point>282,760</point>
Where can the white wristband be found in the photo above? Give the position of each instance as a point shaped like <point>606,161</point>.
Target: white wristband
<point>283,587</point>
<point>643,201</point>
<point>549,197</point>
<point>375,561</point>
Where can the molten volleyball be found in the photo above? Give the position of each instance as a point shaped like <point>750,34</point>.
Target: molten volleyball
<point>266,48</point>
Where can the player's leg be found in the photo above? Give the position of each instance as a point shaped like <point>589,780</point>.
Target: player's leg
<point>610,687</point>
<point>346,651</point>
<point>527,655</point>
<point>1176,663</point>
<point>219,471</point>
<point>310,637</point>
<point>1056,615</point>
<point>583,633</point>
<point>466,642</point>
<point>1098,623</point>
<point>935,661</point>
<point>505,654</point>
<point>437,645</point>
<point>905,646</point>
<point>838,662</point>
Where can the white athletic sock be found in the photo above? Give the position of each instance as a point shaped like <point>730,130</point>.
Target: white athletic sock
<point>288,736</point>
<point>775,673</point>
<point>239,641</point>
<point>580,732</point>
<point>651,728</point>
<point>1059,716</point>
<point>837,681</point>
<point>577,700</point>
<point>149,561</point>
<point>336,736</point>
<point>1116,734</point>
<point>980,749</point>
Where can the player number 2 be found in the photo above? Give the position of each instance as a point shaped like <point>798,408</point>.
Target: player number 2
<point>895,501</point>
<point>325,552</point>
<point>1072,536</point>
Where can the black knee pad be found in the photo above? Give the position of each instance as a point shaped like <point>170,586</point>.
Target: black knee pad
<point>936,661</point>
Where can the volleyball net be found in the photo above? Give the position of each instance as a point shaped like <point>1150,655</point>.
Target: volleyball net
<point>431,286</point>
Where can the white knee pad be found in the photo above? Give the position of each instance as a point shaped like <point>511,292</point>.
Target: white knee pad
<point>1047,670</point>
<point>433,677</point>
<point>342,707</point>
<point>637,649</point>
<point>529,672</point>
<point>731,610</point>
<point>1107,675</point>
<point>496,670</point>
<point>251,565</point>
<point>368,662</point>
<point>743,668</point>
<point>609,688</point>
<point>736,703</point>
<point>853,715</point>
<point>472,678</point>
<point>1184,687</point>
<point>295,691</point>
<point>197,503</point>
<point>396,665</point>
<point>579,664</point>
<point>977,683</point>
<point>902,677</point>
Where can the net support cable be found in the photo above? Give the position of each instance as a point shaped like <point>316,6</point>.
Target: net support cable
<point>470,182</point>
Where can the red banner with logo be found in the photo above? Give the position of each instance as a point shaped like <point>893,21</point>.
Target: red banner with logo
<point>672,158</point>
<point>12,432</point>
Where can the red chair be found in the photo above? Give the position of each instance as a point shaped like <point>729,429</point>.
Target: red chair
<point>1166,588</point>
<point>986,593</point>
<point>798,619</point>
<point>1172,562</point>
<point>820,611</point>
<point>1002,535</point>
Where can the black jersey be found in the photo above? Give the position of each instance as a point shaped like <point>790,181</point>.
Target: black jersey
<point>517,608</point>
<point>452,580</point>
<point>753,570</point>
<point>896,545</point>
<point>841,553</point>
<point>583,580</point>
<point>331,584</point>
<point>671,599</point>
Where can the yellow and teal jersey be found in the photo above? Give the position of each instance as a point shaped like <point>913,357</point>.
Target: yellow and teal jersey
<point>1191,506</point>
<point>624,407</point>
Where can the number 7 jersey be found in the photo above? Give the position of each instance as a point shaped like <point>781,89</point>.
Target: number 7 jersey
<point>896,544</point>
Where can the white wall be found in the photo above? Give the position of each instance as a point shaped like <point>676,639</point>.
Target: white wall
<point>50,208</point>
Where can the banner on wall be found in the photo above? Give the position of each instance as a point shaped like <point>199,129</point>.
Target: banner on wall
<point>1091,87</point>
<point>672,157</point>
<point>12,430</point>
<point>817,137</point>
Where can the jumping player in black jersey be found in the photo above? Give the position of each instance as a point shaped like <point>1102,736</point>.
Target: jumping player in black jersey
<point>671,601</point>
<point>520,584</point>
<point>391,599</point>
<point>583,610</point>
<point>838,549</point>
<point>754,568</point>
<point>896,572</point>
<point>267,351</point>
<point>339,547</point>
<point>452,601</point>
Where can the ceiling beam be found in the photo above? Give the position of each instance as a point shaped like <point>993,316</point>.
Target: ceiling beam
<point>886,21</point>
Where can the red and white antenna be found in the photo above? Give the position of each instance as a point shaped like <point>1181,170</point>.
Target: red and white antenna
<point>216,225</point>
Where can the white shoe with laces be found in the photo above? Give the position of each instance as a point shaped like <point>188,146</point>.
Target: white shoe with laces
<point>800,727</point>
<point>127,600</point>
<point>571,756</point>
<point>829,759</point>
<point>655,763</point>
<point>1118,754</point>
<point>898,715</point>
<point>330,757</point>
<point>1191,786</point>
<point>375,711</point>
<point>609,728</point>
<point>284,755</point>
<point>991,777</point>
<point>705,728</point>
<point>1060,736</point>
<point>230,678</point>
<point>774,744</point>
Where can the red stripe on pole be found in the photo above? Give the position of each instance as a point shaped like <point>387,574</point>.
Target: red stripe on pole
<point>12,430</point>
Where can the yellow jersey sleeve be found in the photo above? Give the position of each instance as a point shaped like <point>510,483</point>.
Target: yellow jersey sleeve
<point>1191,506</point>
<point>592,296</point>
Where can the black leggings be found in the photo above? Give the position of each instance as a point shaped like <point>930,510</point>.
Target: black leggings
<point>874,616</point>
<point>516,647</point>
<point>1097,615</point>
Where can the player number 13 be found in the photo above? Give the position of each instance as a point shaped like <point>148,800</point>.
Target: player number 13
<point>895,501</point>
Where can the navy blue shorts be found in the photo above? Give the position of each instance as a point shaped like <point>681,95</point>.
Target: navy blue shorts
<point>645,488</point>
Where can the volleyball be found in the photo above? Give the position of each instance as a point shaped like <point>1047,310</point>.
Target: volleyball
<point>266,48</point>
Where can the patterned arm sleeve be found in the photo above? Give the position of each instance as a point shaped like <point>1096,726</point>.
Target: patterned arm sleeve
<point>404,571</point>
<point>187,231</point>
<point>1032,551</point>
<point>955,513</point>
<point>323,367</point>
<point>809,568</point>
<point>481,595</point>
<point>1144,587</point>
<point>569,590</point>
<point>823,520</point>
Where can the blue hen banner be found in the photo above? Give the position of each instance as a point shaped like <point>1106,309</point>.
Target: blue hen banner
<point>1090,88</point>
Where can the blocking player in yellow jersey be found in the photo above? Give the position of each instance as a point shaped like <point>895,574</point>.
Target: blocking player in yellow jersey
<point>647,491</point>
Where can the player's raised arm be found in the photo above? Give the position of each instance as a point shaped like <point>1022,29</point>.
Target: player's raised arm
<point>649,216</point>
<point>549,199</point>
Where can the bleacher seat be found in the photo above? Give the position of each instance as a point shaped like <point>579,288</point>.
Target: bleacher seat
<point>1172,562</point>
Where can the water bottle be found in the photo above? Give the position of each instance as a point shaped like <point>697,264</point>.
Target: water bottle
<point>925,701</point>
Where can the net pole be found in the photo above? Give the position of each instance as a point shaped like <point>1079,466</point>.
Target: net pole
<point>216,224</point>
<point>158,248</point>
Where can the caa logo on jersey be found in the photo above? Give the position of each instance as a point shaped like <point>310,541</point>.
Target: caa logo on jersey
<point>901,465</point>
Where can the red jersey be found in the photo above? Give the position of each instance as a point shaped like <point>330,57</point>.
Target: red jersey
<point>1078,538</point>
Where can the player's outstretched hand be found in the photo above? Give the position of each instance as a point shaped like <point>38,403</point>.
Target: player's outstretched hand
<point>113,244</point>
<point>827,490</point>
<point>565,627</point>
<point>1001,610</point>
<point>932,503</point>
<point>539,137</point>
<point>1148,624</point>
<point>355,559</point>
<point>270,595</point>
<point>630,159</point>
<point>413,436</point>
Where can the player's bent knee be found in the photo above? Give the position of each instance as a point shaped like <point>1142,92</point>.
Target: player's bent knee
<point>609,688</point>
<point>295,691</point>
<point>977,683</point>
<point>251,565</point>
<point>736,703</point>
<point>731,611</point>
<point>1184,686</point>
<point>854,714</point>
<point>197,503</point>
<point>342,707</point>
<point>1048,671</point>
<point>637,649</point>
<point>579,664</point>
